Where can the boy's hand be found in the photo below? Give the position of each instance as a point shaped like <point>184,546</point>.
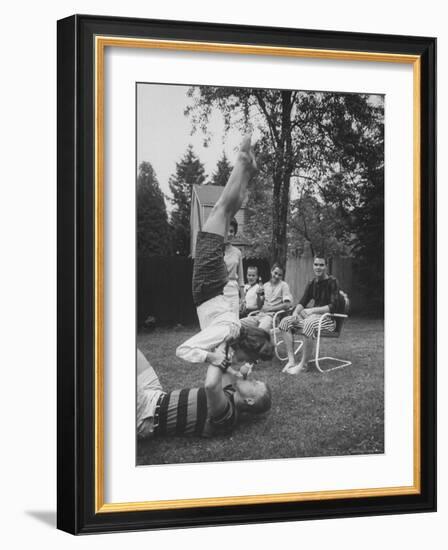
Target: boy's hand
<point>245,370</point>
<point>288,322</point>
<point>216,357</point>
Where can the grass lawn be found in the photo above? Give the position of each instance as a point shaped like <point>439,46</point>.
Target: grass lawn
<point>312,414</point>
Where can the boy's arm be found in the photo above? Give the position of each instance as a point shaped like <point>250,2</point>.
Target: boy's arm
<point>306,298</point>
<point>216,398</point>
<point>272,309</point>
<point>241,277</point>
<point>200,348</point>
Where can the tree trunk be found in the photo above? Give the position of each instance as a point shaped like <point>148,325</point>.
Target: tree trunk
<point>280,207</point>
<point>282,177</point>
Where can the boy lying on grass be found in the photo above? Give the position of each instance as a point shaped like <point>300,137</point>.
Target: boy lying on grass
<point>207,411</point>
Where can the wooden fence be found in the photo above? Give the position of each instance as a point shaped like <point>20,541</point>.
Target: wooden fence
<point>164,285</point>
<point>164,288</point>
<point>299,271</point>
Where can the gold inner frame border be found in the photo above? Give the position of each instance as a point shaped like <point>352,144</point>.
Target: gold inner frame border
<point>101,42</point>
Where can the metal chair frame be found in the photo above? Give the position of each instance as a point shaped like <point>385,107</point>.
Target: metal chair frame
<point>341,363</point>
<point>276,332</point>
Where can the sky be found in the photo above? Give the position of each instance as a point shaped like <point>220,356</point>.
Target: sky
<point>164,132</point>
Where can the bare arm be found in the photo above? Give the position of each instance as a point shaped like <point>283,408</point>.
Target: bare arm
<point>240,270</point>
<point>284,305</point>
<point>319,310</point>
<point>216,398</point>
<point>201,347</point>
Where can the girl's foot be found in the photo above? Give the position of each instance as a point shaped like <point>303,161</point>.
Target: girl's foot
<point>288,366</point>
<point>295,369</point>
<point>246,153</point>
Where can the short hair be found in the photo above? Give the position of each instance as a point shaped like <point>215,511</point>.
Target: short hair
<point>252,267</point>
<point>277,266</point>
<point>256,342</point>
<point>234,224</point>
<point>263,402</point>
<point>321,257</point>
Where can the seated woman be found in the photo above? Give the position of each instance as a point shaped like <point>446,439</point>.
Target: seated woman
<point>324,291</point>
<point>253,292</point>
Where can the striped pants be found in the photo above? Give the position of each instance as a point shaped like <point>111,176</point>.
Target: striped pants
<point>308,325</point>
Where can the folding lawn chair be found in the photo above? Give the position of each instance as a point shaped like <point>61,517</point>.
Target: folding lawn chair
<point>322,333</point>
<point>276,334</point>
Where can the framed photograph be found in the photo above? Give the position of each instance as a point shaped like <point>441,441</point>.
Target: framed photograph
<point>246,274</point>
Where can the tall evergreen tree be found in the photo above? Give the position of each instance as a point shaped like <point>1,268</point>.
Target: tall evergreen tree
<point>152,218</point>
<point>189,172</point>
<point>222,173</point>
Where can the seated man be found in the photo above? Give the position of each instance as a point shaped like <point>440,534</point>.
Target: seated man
<point>206,411</point>
<point>275,296</point>
<point>324,291</point>
<point>252,297</point>
<point>220,325</point>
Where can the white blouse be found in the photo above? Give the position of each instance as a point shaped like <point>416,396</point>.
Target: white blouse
<point>233,259</point>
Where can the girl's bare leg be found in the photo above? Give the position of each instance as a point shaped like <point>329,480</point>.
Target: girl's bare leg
<point>307,349</point>
<point>234,192</point>
<point>289,344</point>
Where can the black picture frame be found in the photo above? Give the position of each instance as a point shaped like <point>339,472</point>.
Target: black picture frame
<point>76,475</point>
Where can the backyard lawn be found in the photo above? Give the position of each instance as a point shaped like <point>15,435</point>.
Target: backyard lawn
<point>312,414</point>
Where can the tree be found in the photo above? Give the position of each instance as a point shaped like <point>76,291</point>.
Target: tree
<point>304,136</point>
<point>152,218</point>
<point>316,224</point>
<point>258,221</point>
<point>223,170</point>
<point>189,172</point>
<point>367,223</point>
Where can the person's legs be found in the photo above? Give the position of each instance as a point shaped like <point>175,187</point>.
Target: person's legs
<point>234,191</point>
<point>306,355</point>
<point>288,338</point>
<point>149,391</point>
<point>289,326</point>
<point>310,325</point>
<point>146,372</point>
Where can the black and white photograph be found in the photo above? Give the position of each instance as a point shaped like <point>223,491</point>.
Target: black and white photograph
<point>260,273</point>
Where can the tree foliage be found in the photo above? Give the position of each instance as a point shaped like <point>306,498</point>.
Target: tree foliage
<point>314,140</point>
<point>189,172</point>
<point>367,223</point>
<point>152,218</point>
<point>258,220</point>
<point>222,173</point>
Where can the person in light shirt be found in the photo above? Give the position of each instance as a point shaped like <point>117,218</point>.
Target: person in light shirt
<point>233,258</point>
<point>276,296</point>
<point>222,337</point>
<point>252,297</point>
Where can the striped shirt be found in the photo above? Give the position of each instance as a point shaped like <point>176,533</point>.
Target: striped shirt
<point>185,412</point>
